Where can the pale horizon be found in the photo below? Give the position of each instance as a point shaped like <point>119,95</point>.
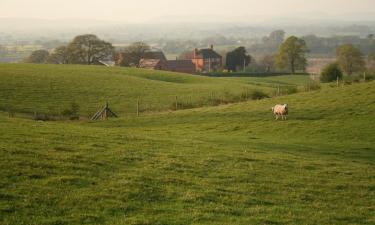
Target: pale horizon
<point>245,11</point>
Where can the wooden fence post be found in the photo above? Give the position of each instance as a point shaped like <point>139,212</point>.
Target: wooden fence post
<point>176,103</point>
<point>337,81</point>
<point>138,106</point>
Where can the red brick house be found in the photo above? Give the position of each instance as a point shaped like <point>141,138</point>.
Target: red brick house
<point>207,60</point>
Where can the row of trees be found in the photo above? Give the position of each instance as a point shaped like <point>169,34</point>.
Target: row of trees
<point>84,49</point>
<point>349,60</point>
<point>291,56</point>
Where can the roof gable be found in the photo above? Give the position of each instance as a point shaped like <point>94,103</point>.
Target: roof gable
<point>208,53</point>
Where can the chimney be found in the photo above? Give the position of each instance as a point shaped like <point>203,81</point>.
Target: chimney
<point>212,47</point>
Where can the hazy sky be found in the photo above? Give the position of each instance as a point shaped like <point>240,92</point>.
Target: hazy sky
<point>153,10</point>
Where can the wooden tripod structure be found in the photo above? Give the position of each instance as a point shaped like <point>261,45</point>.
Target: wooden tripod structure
<point>104,113</point>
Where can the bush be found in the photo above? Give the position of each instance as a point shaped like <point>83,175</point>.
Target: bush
<point>41,117</point>
<point>311,86</point>
<point>291,90</point>
<point>370,76</point>
<point>73,112</point>
<point>257,95</point>
<point>330,73</point>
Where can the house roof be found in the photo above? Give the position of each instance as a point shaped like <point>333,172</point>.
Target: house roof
<point>208,53</point>
<point>175,64</point>
<point>149,63</point>
<point>108,63</point>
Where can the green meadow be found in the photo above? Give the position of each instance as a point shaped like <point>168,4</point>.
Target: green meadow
<point>32,88</point>
<point>229,164</point>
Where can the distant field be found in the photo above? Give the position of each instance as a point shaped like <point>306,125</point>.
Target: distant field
<point>31,88</point>
<point>232,164</point>
<point>272,81</point>
<point>15,53</point>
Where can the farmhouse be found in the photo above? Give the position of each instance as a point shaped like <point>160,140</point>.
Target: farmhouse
<point>203,60</point>
<point>207,60</point>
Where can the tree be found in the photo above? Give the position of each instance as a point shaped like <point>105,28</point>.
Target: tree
<point>331,73</point>
<point>88,49</point>
<point>186,55</point>
<point>291,55</point>
<point>38,56</point>
<point>350,59</point>
<point>276,38</point>
<point>134,53</point>
<point>268,63</point>
<point>371,61</point>
<point>59,56</point>
<point>237,58</point>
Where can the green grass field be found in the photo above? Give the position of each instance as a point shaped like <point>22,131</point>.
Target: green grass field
<point>231,164</point>
<point>51,88</point>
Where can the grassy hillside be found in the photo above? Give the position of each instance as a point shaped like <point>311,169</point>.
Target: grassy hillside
<point>232,164</point>
<point>51,88</point>
<point>272,81</point>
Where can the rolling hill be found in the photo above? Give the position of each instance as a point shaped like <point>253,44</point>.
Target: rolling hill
<point>27,88</point>
<point>231,164</point>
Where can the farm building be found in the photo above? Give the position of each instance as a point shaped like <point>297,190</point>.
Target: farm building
<point>125,58</point>
<point>207,60</point>
<point>158,61</point>
<point>181,66</point>
<point>153,64</point>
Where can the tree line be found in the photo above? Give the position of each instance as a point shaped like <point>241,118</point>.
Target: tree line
<point>84,49</point>
<point>291,55</point>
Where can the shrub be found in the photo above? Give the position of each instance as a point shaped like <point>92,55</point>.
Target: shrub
<point>291,90</point>
<point>370,76</point>
<point>330,73</point>
<point>41,117</point>
<point>73,112</point>
<point>257,95</point>
<point>311,86</point>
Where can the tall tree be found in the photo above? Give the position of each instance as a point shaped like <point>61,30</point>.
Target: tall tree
<point>292,55</point>
<point>59,56</point>
<point>237,58</point>
<point>350,59</point>
<point>268,63</point>
<point>38,56</point>
<point>134,53</point>
<point>88,49</point>
<point>276,38</point>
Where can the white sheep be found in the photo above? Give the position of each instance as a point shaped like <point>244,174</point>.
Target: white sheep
<point>280,110</point>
